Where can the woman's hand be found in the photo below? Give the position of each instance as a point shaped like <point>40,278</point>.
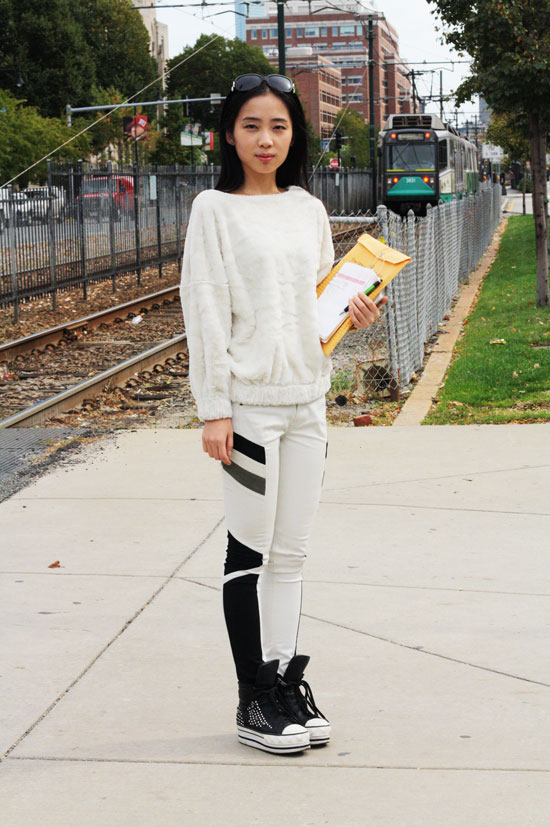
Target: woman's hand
<point>217,439</point>
<point>363,311</point>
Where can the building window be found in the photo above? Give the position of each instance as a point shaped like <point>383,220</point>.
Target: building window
<point>359,30</point>
<point>264,34</point>
<point>253,34</point>
<point>344,97</point>
<point>312,31</point>
<point>354,79</point>
<point>273,32</point>
<point>347,29</point>
<point>323,31</point>
<point>300,32</point>
<point>334,31</point>
<point>288,32</point>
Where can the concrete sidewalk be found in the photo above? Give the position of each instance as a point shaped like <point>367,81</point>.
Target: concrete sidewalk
<point>426,615</point>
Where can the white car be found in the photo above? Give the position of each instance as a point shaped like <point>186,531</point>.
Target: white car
<point>39,199</point>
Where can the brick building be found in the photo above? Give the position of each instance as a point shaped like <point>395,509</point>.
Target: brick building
<point>340,38</point>
<point>319,84</point>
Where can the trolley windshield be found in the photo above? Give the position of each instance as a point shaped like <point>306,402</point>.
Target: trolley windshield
<point>410,156</point>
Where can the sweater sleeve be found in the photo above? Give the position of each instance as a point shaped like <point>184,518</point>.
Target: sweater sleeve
<point>206,305</point>
<point>326,259</point>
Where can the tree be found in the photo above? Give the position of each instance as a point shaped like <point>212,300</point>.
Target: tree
<point>212,70</point>
<point>44,56</point>
<point>25,136</point>
<point>118,39</point>
<point>511,132</point>
<point>509,42</point>
<point>356,142</point>
<point>59,51</point>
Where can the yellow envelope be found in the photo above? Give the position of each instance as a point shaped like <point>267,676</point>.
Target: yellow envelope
<point>369,252</point>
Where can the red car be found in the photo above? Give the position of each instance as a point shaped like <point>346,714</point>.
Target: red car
<point>97,189</point>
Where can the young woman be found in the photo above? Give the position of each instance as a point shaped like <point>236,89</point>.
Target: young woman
<point>255,249</point>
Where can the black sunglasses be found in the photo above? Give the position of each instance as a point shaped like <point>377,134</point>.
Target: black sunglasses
<point>243,83</point>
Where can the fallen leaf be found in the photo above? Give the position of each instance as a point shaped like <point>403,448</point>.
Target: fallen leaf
<point>55,565</point>
<point>497,342</point>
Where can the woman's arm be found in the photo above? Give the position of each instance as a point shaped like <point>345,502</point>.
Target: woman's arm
<point>206,308</point>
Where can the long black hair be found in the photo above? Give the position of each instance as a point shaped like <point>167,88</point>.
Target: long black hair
<point>294,168</point>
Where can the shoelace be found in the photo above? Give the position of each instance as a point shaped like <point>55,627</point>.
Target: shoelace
<point>306,702</point>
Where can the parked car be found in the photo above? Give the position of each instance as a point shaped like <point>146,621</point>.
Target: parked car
<point>14,207</point>
<point>96,191</point>
<point>42,197</point>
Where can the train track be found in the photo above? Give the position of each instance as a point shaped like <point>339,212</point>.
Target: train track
<point>55,370</point>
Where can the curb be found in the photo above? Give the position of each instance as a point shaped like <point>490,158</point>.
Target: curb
<point>420,401</point>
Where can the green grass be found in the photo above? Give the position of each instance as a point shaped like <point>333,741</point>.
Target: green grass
<point>497,383</point>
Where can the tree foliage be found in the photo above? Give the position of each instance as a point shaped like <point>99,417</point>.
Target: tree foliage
<point>511,132</point>
<point>60,50</point>
<point>356,144</point>
<point>26,136</point>
<point>212,70</point>
<point>509,43</point>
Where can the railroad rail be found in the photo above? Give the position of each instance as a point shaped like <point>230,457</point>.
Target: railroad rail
<point>113,376</point>
<point>66,400</point>
<point>53,335</point>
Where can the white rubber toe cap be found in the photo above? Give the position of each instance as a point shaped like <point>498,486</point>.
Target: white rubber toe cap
<point>294,729</point>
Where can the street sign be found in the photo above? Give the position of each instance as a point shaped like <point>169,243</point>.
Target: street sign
<point>333,163</point>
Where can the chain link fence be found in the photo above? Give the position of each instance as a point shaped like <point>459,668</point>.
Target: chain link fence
<point>445,247</point>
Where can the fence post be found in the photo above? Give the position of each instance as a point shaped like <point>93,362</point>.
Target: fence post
<point>136,222</point>
<point>51,235</point>
<point>157,211</point>
<point>111,191</point>
<point>13,256</point>
<point>178,216</point>
<point>82,232</point>
<point>389,319</point>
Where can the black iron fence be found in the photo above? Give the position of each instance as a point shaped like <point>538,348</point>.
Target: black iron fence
<point>96,222</point>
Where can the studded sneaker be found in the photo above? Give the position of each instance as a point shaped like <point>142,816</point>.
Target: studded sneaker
<point>263,721</point>
<point>301,705</point>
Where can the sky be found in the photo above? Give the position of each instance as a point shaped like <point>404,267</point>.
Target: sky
<point>413,20</point>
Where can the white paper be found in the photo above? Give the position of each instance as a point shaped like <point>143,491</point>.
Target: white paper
<point>349,280</point>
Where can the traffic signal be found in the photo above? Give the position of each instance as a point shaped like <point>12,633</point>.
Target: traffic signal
<point>339,140</point>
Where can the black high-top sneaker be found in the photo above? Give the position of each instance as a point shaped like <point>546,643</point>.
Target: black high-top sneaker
<point>302,705</point>
<point>262,720</point>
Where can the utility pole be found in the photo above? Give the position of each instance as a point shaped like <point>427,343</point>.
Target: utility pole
<point>412,74</point>
<point>441,94</point>
<point>281,36</point>
<point>372,129</point>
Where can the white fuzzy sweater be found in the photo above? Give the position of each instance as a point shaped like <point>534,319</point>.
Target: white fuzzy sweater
<point>250,267</point>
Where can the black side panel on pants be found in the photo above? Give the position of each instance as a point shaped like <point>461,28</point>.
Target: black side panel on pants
<point>241,609</point>
<point>240,557</point>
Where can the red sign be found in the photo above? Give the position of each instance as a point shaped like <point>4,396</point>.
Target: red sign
<point>135,127</point>
<point>333,163</point>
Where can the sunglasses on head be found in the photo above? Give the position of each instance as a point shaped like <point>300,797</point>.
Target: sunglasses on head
<point>243,83</point>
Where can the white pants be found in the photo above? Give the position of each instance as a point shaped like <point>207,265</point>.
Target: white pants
<point>271,493</point>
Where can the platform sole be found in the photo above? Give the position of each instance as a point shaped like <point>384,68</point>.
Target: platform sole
<point>279,744</point>
<point>319,735</point>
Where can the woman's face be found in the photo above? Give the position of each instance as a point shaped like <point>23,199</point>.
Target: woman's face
<point>262,134</point>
